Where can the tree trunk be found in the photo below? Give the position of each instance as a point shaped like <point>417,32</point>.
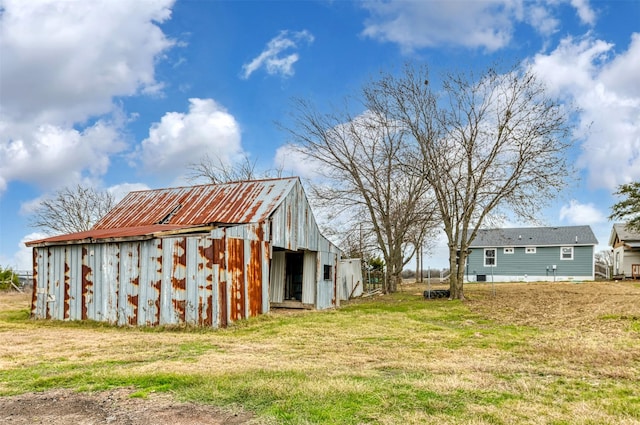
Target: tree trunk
<point>456,276</point>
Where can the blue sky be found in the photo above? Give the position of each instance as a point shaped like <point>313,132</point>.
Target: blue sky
<point>123,95</point>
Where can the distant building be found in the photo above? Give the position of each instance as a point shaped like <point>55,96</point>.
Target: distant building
<point>532,254</point>
<point>626,252</point>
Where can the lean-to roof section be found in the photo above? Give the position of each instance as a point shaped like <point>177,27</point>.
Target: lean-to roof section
<point>140,232</point>
<point>230,203</point>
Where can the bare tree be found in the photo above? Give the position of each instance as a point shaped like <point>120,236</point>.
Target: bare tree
<point>216,171</point>
<point>363,176</point>
<point>628,209</point>
<point>492,143</point>
<point>72,209</point>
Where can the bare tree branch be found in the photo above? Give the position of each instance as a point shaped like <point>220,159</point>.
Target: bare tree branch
<point>364,176</point>
<point>214,170</point>
<point>488,143</point>
<point>72,209</point>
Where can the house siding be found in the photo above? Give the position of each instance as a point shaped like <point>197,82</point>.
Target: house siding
<point>522,266</point>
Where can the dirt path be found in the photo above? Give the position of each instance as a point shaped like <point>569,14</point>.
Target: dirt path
<point>115,407</point>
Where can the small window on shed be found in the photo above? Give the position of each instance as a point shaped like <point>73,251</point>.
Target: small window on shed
<point>566,253</point>
<point>508,250</point>
<point>327,272</point>
<point>530,250</point>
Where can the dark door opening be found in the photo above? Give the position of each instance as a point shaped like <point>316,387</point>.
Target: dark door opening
<point>293,276</point>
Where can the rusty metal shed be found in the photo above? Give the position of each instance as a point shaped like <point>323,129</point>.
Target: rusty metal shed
<point>203,255</point>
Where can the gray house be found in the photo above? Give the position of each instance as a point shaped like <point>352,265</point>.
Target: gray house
<point>626,252</point>
<point>532,254</point>
<point>203,255</point>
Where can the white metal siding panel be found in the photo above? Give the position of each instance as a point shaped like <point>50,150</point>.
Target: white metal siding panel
<point>266,285</point>
<point>326,292</point>
<point>309,277</point>
<point>276,290</point>
<point>350,278</point>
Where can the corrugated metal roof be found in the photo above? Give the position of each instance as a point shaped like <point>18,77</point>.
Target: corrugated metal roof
<point>229,203</point>
<point>535,236</point>
<point>101,234</point>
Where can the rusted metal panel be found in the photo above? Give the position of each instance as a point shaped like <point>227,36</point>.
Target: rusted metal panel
<point>111,235</point>
<point>128,300</point>
<point>203,282</point>
<point>110,282</point>
<point>250,231</point>
<point>34,293</point>
<point>179,279</point>
<point>236,273</point>
<point>266,261</point>
<point>150,261</point>
<point>293,225</point>
<point>233,203</point>
<point>254,277</point>
<point>75,289</point>
<point>41,286</point>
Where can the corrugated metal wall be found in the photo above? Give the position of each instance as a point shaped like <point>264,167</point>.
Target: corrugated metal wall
<point>309,277</point>
<point>198,280</point>
<point>350,278</point>
<point>293,225</point>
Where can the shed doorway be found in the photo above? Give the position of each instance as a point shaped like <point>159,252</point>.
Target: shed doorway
<point>293,276</point>
<point>292,282</point>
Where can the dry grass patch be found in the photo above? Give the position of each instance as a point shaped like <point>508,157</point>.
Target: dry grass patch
<point>533,353</point>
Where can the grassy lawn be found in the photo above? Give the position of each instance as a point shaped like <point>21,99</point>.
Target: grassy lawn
<point>557,353</point>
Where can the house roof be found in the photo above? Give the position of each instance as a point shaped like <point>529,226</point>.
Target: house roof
<point>535,236</point>
<point>624,235</point>
<point>189,209</point>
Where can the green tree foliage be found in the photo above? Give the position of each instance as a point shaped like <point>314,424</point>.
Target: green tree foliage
<point>376,263</point>
<point>628,209</point>
<point>7,275</point>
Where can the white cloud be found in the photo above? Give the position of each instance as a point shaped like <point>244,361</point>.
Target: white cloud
<point>581,214</point>
<point>486,24</point>
<point>183,138</point>
<point>22,259</point>
<point>584,11</point>
<point>274,58</point>
<point>119,191</point>
<point>418,24</point>
<point>63,62</point>
<point>604,85</point>
<point>291,160</point>
<point>51,156</point>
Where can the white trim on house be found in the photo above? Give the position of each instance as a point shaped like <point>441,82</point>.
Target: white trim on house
<point>566,250</point>
<point>493,257</point>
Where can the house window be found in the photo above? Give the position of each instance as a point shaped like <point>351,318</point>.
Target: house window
<point>508,250</point>
<point>566,253</point>
<point>530,250</point>
<point>489,257</point>
<point>327,272</point>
